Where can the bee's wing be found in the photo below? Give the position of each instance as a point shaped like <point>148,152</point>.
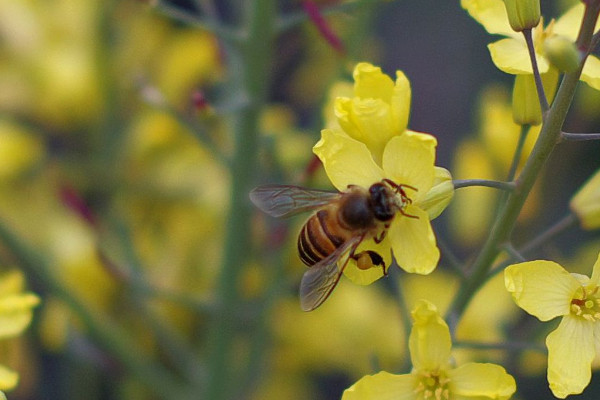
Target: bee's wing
<point>320,280</point>
<point>286,200</point>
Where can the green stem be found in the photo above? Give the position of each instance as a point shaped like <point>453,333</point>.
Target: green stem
<point>505,222</point>
<point>250,66</point>
<point>512,171</point>
<point>461,183</point>
<point>536,72</point>
<point>109,336</point>
<point>580,136</point>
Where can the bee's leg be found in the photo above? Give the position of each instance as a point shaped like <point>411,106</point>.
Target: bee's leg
<point>408,215</point>
<point>381,236</point>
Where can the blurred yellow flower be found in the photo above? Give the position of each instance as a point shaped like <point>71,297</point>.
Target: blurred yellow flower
<point>433,375</point>
<point>20,150</point>
<point>511,55</point>
<point>546,290</point>
<point>16,312</point>
<point>586,203</point>
<point>407,159</point>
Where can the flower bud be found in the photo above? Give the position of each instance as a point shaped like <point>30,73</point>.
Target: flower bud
<point>586,203</point>
<point>523,14</point>
<point>438,197</point>
<point>525,103</point>
<point>561,53</point>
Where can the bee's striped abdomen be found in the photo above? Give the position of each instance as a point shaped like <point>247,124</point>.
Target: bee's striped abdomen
<point>319,238</point>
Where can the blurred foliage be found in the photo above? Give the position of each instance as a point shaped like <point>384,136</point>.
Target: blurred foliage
<point>119,129</point>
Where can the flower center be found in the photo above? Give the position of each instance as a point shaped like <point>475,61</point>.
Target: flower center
<point>586,303</point>
<point>433,385</point>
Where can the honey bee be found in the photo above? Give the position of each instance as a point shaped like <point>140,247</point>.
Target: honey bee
<point>331,236</point>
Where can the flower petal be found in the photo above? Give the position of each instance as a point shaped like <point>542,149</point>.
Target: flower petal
<point>368,276</point>
<point>346,161</point>
<point>367,120</point>
<point>383,386</point>
<point>485,380</point>
<point>400,102</point>
<point>511,56</point>
<point>429,340</point>
<point>596,273</point>
<point>438,197</point>
<point>542,288</point>
<point>586,202</point>
<point>571,349</point>
<point>568,24</point>
<point>371,83</point>
<point>491,14</point>
<point>413,242</point>
<point>16,312</point>
<point>409,159</point>
<point>591,72</point>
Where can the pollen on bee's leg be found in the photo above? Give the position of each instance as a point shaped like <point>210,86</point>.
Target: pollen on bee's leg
<point>363,261</point>
<point>369,259</point>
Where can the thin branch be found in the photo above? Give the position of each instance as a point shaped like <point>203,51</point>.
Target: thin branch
<point>514,253</point>
<point>563,224</point>
<point>536,72</point>
<point>292,20</point>
<point>579,136</point>
<point>207,24</point>
<point>560,226</point>
<point>461,183</point>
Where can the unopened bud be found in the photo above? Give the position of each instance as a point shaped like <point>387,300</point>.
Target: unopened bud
<point>586,203</point>
<point>525,100</point>
<point>438,197</point>
<point>562,53</point>
<point>523,14</point>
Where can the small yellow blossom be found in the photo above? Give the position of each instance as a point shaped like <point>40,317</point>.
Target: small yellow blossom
<point>408,159</point>
<point>546,290</point>
<point>433,375</point>
<point>586,203</point>
<point>378,110</point>
<point>511,54</point>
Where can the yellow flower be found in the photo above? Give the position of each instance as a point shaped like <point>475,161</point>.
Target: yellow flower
<point>407,159</point>
<point>586,203</point>
<point>511,55</point>
<point>546,290</point>
<point>433,375</point>
<point>15,315</point>
<point>378,110</point>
